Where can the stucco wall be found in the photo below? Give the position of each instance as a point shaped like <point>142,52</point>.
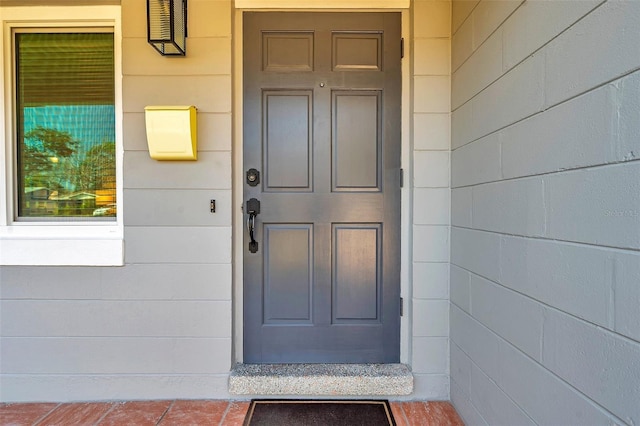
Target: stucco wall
<point>545,325</point>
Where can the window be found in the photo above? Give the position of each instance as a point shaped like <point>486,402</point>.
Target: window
<point>65,119</point>
<point>61,175</point>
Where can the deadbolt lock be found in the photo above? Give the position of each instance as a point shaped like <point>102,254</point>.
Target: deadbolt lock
<point>253,177</point>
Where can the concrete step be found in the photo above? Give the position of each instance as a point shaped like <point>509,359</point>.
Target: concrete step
<point>321,379</point>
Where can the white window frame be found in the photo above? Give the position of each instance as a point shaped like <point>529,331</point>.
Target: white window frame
<point>49,242</point>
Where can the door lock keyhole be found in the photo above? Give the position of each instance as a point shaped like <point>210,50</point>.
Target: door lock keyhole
<point>253,177</point>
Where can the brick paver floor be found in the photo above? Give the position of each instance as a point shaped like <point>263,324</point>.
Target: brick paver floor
<point>185,412</point>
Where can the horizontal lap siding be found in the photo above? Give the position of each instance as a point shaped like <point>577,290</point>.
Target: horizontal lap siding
<point>545,216</point>
<point>428,308</point>
<point>161,326</point>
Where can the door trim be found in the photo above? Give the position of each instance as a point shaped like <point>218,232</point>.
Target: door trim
<point>283,5</point>
<point>238,179</point>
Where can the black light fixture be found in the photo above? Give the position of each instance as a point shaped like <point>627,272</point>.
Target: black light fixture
<point>167,26</point>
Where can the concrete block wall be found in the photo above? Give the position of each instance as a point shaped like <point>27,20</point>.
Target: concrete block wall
<point>545,211</point>
<point>431,103</point>
<point>160,326</point>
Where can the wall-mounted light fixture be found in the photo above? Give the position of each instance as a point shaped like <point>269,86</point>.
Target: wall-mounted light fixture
<point>167,26</point>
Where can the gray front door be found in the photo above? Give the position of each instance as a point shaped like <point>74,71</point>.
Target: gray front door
<point>322,128</point>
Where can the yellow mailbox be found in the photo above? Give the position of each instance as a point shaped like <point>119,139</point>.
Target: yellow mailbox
<point>171,132</point>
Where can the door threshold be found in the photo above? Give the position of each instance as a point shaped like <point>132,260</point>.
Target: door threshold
<point>321,379</point>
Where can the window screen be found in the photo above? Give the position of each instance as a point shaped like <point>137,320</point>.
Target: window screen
<point>65,116</point>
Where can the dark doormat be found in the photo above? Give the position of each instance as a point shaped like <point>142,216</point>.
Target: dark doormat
<point>286,412</point>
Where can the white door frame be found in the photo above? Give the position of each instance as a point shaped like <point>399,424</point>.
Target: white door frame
<point>242,6</point>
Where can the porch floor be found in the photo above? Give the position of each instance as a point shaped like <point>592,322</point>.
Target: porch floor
<point>185,412</point>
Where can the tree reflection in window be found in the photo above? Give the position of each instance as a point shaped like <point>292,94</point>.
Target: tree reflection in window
<point>66,125</point>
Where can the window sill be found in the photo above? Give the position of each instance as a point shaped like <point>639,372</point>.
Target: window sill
<point>46,245</point>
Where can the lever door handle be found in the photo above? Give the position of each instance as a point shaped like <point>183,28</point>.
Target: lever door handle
<point>251,225</point>
<point>253,209</point>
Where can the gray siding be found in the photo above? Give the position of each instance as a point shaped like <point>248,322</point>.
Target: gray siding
<point>428,311</point>
<point>160,326</point>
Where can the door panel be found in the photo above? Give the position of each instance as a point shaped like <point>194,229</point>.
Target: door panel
<point>322,125</point>
<point>356,148</point>
<point>287,51</point>
<point>356,260</point>
<point>288,273</point>
<point>357,51</point>
<point>287,140</point>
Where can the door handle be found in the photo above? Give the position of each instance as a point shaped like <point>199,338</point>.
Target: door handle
<point>253,209</point>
